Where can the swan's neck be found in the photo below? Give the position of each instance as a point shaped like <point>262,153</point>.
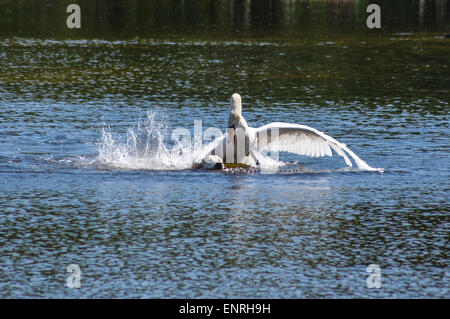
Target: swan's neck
<point>237,120</point>
<point>236,104</point>
<point>236,109</point>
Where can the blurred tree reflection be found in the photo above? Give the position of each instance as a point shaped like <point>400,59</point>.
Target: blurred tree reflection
<point>252,18</point>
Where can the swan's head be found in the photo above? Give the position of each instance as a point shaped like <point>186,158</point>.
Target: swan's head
<point>235,115</point>
<point>236,104</point>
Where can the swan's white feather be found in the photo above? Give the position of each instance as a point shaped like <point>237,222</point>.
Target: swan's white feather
<point>302,140</point>
<point>292,138</point>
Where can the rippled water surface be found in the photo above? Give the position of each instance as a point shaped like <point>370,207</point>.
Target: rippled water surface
<point>85,177</point>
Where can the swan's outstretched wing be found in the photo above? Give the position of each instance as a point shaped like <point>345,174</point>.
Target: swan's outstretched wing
<point>303,140</point>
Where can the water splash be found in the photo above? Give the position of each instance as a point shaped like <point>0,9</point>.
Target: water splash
<point>143,147</point>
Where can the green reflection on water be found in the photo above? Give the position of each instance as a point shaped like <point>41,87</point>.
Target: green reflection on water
<point>406,68</point>
<point>312,52</point>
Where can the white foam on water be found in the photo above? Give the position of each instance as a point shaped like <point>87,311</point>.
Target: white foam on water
<point>142,147</point>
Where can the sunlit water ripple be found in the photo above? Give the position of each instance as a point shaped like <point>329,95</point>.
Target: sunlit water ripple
<point>84,180</point>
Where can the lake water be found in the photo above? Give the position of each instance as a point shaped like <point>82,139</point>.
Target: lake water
<point>86,178</point>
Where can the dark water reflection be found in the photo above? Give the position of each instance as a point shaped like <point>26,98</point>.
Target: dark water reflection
<point>218,18</point>
<point>161,233</point>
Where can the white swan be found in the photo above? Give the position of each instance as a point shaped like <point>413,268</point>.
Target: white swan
<point>247,141</point>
